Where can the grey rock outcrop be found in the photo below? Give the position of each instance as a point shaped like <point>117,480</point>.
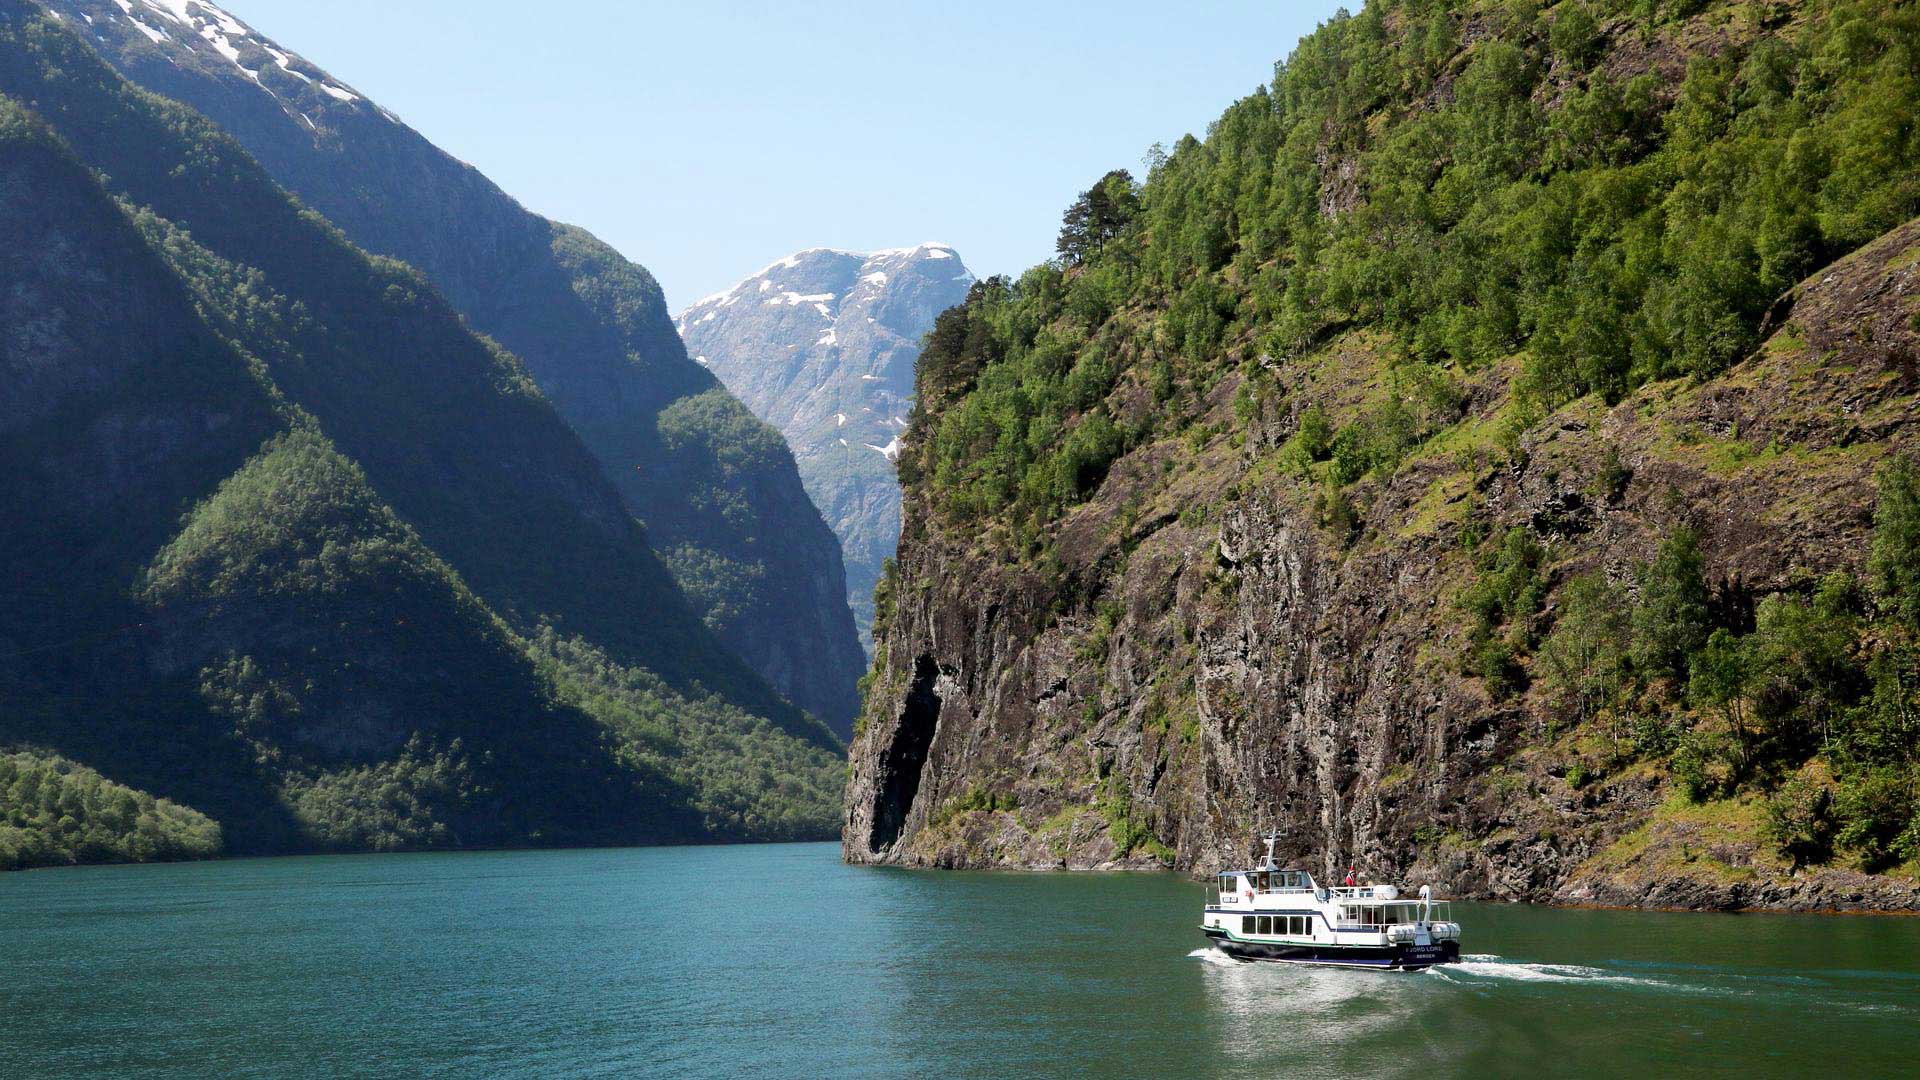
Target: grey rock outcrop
<point>1171,682</point>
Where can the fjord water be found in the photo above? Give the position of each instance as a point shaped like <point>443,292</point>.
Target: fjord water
<point>780,961</point>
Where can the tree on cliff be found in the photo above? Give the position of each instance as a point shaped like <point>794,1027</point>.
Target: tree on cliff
<point>1670,623</point>
<point>1101,213</point>
<point>1894,566</point>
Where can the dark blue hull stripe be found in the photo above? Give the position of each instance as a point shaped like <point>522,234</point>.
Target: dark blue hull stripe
<point>1405,957</point>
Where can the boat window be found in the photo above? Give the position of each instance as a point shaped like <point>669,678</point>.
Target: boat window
<point>1246,924</point>
<point>1266,925</point>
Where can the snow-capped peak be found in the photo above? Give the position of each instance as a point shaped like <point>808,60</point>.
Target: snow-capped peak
<point>180,21</point>
<point>874,273</point>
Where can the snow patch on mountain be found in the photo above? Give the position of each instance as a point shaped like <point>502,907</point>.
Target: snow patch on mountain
<point>198,21</point>
<point>827,355</point>
<point>285,62</point>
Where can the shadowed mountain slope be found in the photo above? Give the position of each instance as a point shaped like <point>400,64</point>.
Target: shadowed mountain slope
<point>722,503</point>
<point>252,475</point>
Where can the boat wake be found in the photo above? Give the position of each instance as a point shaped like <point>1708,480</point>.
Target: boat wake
<point>1483,966</point>
<point>1479,966</point>
<point>1212,955</point>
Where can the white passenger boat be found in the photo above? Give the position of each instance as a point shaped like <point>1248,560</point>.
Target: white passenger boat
<point>1274,913</point>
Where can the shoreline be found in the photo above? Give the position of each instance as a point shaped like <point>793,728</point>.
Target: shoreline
<point>999,868</point>
<point>1571,905</point>
<point>256,856</point>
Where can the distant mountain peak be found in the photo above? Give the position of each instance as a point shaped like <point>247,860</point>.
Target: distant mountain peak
<point>875,267</point>
<point>822,344</point>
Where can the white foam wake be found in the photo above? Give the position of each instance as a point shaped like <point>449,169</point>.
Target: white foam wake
<point>1213,956</point>
<point>1487,966</point>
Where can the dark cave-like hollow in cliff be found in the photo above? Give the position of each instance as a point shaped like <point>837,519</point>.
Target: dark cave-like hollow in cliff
<point>905,756</point>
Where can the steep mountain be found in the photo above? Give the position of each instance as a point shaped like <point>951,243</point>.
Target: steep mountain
<point>1487,457</point>
<point>821,345</point>
<point>720,498</point>
<point>290,548</point>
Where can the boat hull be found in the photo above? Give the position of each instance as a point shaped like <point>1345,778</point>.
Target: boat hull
<point>1403,957</point>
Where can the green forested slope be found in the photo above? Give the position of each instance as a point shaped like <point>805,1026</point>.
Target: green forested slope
<point>210,600</point>
<point>448,427</point>
<point>1611,193</point>
<point>590,327</point>
<point>53,811</point>
<point>1497,317</point>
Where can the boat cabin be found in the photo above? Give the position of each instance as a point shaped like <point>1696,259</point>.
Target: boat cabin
<point>1273,912</point>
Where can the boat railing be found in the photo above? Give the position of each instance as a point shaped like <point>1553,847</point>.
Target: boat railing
<point>1361,895</point>
<point>1433,911</point>
<point>1360,892</point>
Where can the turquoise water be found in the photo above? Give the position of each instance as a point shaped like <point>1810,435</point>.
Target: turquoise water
<point>779,961</point>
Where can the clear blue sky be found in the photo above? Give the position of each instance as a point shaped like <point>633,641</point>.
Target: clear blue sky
<point>705,140</point>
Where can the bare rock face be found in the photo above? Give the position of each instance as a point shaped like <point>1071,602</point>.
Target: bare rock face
<point>1203,658</point>
<point>821,345</point>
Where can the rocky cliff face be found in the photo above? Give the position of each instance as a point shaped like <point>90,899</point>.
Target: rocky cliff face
<point>1205,611</point>
<point>821,345</point>
<point>1240,671</point>
<point>723,505</point>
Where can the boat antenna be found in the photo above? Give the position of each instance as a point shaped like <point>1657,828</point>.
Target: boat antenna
<point>1272,837</point>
